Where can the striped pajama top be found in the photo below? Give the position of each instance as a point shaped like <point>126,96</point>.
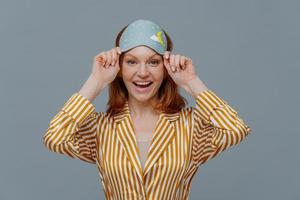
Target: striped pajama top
<point>180,144</point>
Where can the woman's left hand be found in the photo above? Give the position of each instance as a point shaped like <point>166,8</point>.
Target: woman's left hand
<point>180,68</point>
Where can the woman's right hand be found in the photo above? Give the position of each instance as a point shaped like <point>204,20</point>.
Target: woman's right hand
<point>106,65</point>
<point>105,69</point>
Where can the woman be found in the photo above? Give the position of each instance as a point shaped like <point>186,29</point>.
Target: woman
<point>147,145</point>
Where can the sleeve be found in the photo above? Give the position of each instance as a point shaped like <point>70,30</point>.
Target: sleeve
<point>216,127</point>
<point>72,131</point>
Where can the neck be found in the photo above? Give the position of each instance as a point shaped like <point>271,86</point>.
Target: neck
<point>140,109</point>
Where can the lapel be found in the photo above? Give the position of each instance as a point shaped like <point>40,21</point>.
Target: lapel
<point>163,133</point>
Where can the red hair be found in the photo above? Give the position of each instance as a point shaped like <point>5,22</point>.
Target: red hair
<point>169,99</point>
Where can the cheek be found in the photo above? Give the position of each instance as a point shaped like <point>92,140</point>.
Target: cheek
<point>159,73</point>
<point>126,73</point>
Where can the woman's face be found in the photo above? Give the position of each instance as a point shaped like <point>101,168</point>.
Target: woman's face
<point>143,73</point>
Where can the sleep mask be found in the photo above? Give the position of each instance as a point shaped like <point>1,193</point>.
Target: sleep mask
<point>143,32</point>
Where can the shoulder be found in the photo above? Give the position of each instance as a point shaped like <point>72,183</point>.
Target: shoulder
<point>186,111</point>
<point>185,114</point>
<point>102,118</point>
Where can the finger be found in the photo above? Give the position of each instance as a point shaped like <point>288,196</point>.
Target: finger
<point>118,50</point>
<point>111,52</point>
<point>108,59</point>
<point>104,59</point>
<point>166,59</point>
<point>114,57</point>
<point>177,61</point>
<point>117,59</point>
<point>172,62</point>
<point>182,62</point>
<point>188,61</point>
<point>99,59</point>
<point>172,59</point>
<point>167,54</point>
<point>100,54</point>
<point>167,65</point>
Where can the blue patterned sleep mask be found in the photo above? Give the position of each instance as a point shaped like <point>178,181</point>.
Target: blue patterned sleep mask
<point>143,32</point>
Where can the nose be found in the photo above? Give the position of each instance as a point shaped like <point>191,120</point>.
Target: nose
<point>143,70</point>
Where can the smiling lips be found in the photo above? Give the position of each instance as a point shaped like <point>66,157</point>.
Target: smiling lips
<point>143,87</point>
<point>143,84</point>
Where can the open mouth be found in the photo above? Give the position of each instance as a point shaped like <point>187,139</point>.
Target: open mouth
<point>143,85</point>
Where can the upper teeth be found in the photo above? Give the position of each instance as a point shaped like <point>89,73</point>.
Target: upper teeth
<point>143,83</point>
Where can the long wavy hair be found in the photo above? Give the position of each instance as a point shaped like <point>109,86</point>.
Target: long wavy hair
<point>169,99</point>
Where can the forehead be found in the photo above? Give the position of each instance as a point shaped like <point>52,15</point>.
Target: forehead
<point>141,52</point>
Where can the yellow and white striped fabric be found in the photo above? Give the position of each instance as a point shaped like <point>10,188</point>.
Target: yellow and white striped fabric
<point>181,143</point>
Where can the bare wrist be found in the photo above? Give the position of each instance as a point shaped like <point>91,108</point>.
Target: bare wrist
<point>196,86</point>
<point>91,88</point>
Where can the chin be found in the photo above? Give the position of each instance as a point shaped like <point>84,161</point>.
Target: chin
<point>142,97</point>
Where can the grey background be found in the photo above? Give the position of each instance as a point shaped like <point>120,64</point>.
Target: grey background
<point>245,51</point>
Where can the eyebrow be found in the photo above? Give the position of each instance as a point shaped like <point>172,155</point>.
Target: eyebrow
<point>128,54</point>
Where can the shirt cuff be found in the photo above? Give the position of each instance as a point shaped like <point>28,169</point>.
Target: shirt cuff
<point>206,102</point>
<point>78,107</point>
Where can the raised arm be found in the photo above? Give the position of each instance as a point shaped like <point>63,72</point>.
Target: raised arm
<point>73,130</point>
<point>217,125</point>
